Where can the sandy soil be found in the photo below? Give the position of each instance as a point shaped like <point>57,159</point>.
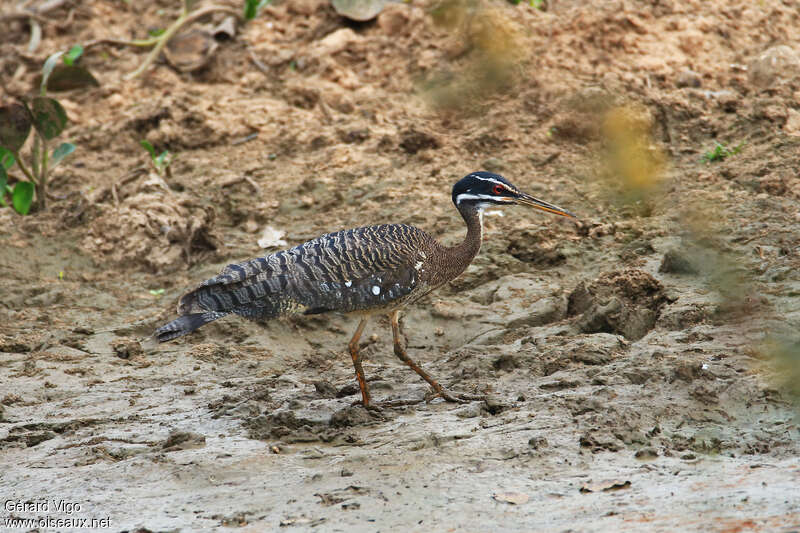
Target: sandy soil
<point>631,361</point>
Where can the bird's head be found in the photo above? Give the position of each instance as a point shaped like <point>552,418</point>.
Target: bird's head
<point>485,189</point>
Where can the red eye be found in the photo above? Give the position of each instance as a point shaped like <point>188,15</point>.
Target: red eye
<point>497,189</point>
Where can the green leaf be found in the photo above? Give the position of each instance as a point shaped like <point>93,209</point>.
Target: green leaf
<point>65,78</point>
<point>6,160</point>
<point>73,55</point>
<point>3,184</point>
<point>60,153</point>
<point>15,125</point>
<point>149,147</point>
<point>252,7</point>
<point>156,292</point>
<point>47,69</point>
<point>49,118</point>
<point>22,197</point>
<point>161,159</point>
<point>156,32</point>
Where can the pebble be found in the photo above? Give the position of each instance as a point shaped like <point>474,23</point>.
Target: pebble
<point>688,78</point>
<point>778,63</point>
<point>495,164</point>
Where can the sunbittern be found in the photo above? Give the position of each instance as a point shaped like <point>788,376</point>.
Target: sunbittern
<point>363,271</point>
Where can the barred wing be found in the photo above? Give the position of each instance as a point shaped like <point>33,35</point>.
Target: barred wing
<point>345,271</point>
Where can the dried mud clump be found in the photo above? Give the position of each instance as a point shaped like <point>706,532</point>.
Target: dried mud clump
<point>626,302</point>
<point>155,231</point>
<point>412,141</point>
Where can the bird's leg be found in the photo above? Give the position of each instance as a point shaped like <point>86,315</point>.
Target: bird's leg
<point>400,352</point>
<point>353,345</point>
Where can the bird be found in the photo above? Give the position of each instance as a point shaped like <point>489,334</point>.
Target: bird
<point>365,272</point>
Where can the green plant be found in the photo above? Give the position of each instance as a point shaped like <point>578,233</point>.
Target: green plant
<point>721,152</point>
<point>538,4</point>
<point>160,162</point>
<point>252,7</point>
<point>48,118</point>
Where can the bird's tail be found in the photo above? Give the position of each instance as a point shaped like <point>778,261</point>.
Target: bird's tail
<point>185,324</point>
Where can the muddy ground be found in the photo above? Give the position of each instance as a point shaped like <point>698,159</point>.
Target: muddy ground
<point>630,361</point>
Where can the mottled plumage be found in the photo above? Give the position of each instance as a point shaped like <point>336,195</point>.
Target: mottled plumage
<point>374,269</point>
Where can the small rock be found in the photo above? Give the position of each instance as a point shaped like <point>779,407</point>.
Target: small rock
<point>779,63</point>
<point>494,164</point>
<point>412,141</point>
<point>494,406</point>
<point>537,442</point>
<point>348,390</point>
<point>646,453</point>
<point>505,362</point>
<point>183,440</point>
<point>469,411</point>
<point>687,372</point>
<point>605,486</point>
<point>336,42</point>
<point>393,19</point>
<point>677,262</point>
<point>792,126</point>
<point>352,416</point>
<point>125,347</point>
<point>688,78</point>
<point>325,389</point>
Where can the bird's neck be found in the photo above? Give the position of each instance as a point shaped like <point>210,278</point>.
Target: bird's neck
<point>457,258</point>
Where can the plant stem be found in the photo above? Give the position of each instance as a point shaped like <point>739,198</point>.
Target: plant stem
<point>41,191</point>
<point>162,39</point>
<point>136,42</point>
<point>24,169</point>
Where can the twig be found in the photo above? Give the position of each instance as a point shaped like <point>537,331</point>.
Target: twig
<point>49,5</point>
<point>36,35</point>
<point>22,15</point>
<point>253,184</point>
<point>325,112</point>
<point>185,18</point>
<point>35,13</point>
<point>246,138</point>
<point>121,42</point>
<point>258,64</point>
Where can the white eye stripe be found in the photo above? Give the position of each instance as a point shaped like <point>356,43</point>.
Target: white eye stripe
<point>492,180</point>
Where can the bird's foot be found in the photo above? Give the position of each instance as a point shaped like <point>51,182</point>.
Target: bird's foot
<point>447,396</point>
